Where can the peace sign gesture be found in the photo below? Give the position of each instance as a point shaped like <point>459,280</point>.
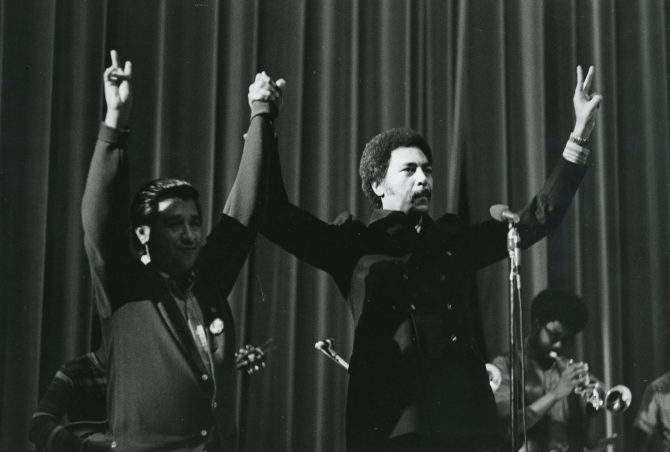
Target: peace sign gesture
<point>586,104</point>
<point>118,93</point>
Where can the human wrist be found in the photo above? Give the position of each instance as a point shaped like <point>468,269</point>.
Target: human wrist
<point>553,396</point>
<point>113,135</point>
<point>116,119</point>
<point>259,107</point>
<point>582,130</point>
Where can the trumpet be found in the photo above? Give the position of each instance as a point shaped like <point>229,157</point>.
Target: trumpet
<point>616,400</point>
<point>495,376</point>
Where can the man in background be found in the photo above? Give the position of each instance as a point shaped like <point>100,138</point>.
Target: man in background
<point>652,423</point>
<point>72,414</point>
<point>555,416</point>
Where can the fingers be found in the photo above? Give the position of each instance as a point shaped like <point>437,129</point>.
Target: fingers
<point>115,58</point>
<point>266,89</point>
<point>115,73</point>
<point>580,81</point>
<point>108,73</point>
<point>576,369</point>
<point>578,374</point>
<point>128,69</point>
<point>596,99</point>
<point>281,84</point>
<point>584,84</point>
<point>268,84</point>
<point>588,80</point>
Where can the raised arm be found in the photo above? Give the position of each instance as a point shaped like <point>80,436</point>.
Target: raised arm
<point>334,248</point>
<point>230,241</point>
<point>548,207</point>
<point>265,97</point>
<point>104,201</point>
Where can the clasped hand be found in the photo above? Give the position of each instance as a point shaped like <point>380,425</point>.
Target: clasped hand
<point>265,89</point>
<point>575,374</point>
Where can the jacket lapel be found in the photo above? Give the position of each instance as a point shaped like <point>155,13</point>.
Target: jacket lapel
<point>175,322</point>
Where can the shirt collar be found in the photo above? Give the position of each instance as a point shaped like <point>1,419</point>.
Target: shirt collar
<point>395,222</point>
<point>182,283</point>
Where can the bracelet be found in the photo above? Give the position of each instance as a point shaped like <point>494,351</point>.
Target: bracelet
<point>575,153</point>
<point>579,140</point>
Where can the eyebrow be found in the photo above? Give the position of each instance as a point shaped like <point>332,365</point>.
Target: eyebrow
<point>171,216</point>
<point>415,165</point>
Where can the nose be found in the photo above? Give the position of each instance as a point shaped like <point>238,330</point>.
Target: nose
<point>421,177</point>
<point>188,234</point>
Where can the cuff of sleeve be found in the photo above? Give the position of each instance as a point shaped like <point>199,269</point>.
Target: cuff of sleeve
<point>264,108</point>
<point>112,135</point>
<point>576,154</point>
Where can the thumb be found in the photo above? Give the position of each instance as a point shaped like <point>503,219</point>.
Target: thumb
<point>281,84</point>
<point>596,99</point>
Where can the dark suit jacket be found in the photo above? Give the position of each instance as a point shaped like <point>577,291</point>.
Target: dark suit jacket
<point>161,395</point>
<point>416,364</point>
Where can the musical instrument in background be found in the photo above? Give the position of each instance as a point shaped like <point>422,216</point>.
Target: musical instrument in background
<point>616,400</point>
<point>250,358</point>
<point>325,346</point>
<point>495,376</point>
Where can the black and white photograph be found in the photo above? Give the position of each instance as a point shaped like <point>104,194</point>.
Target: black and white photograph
<point>335,226</point>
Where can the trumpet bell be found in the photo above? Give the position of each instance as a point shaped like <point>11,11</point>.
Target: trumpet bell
<point>618,398</point>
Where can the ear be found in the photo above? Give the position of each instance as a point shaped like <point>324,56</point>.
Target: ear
<point>142,233</point>
<point>378,188</point>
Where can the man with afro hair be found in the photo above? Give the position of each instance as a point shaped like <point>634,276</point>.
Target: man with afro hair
<point>417,377</point>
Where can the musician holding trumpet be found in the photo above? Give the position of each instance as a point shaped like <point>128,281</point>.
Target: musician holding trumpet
<point>555,414</point>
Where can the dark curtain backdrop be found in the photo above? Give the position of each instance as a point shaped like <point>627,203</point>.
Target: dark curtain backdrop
<point>488,82</point>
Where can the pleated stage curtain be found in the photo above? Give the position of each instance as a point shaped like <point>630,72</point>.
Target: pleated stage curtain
<point>488,82</point>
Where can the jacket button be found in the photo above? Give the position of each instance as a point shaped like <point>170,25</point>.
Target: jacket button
<point>449,307</point>
<point>203,432</point>
<point>204,377</point>
<point>453,338</point>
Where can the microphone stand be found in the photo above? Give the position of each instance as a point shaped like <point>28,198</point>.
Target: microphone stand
<point>514,254</point>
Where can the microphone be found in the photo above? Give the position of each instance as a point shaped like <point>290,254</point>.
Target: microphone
<point>325,346</point>
<point>321,345</point>
<point>502,213</point>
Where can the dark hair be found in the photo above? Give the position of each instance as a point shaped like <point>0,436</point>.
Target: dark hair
<point>144,207</point>
<point>558,305</point>
<point>377,154</point>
